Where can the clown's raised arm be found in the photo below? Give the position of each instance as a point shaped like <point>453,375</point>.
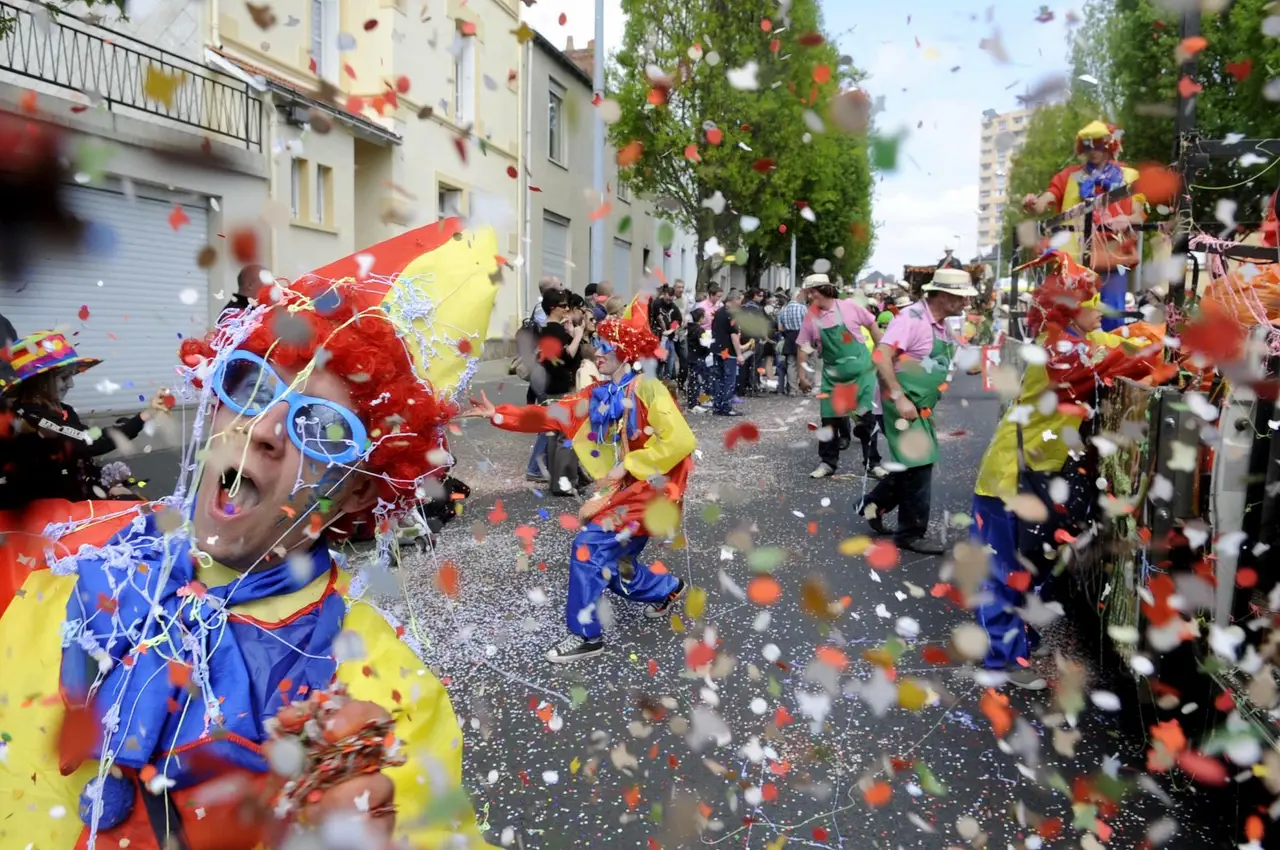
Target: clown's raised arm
<point>151,649</point>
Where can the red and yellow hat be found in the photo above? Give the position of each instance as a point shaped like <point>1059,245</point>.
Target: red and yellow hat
<point>629,335</point>
<point>437,284</point>
<point>43,351</point>
<point>1097,134</point>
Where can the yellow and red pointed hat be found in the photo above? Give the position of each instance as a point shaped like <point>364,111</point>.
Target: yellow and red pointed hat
<point>630,335</point>
<point>437,284</point>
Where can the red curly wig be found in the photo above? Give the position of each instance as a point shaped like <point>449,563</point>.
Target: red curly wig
<point>1066,287</point>
<point>362,347</point>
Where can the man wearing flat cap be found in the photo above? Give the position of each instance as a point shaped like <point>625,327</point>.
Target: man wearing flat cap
<point>914,363</point>
<point>834,327</point>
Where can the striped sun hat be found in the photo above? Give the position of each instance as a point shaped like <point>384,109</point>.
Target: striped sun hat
<point>42,351</point>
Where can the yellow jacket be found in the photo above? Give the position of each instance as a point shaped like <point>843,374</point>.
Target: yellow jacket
<point>1043,446</point>
<point>43,805</point>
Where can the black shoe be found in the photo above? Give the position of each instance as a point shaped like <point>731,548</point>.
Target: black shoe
<point>922,546</point>
<point>574,648</point>
<point>657,610</point>
<point>727,413</point>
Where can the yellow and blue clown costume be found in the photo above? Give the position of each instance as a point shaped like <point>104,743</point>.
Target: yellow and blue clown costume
<point>633,422</point>
<point>1114,249</point>
<point>139,676</point>
<point>1028,449</point>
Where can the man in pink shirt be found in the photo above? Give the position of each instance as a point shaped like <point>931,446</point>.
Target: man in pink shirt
<point>834,328</point>
<point>913,361</point>
<point>711,304</point>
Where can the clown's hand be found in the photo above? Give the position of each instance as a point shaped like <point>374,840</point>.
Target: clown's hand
<point>1030,203</point>
<point>369,797</point>
<point>592,506</point>
<point>480,408</point>
<point>618,473</point>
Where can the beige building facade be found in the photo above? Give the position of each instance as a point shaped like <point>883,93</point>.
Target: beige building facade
<point>423,121</point>
<point>323,126</point>
<point>639,250</point>
<point>1002,135</point>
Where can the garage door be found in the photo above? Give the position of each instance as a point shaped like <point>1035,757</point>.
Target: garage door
<point>129,303</point>
<point>555,246</point>
<point>621,277</point>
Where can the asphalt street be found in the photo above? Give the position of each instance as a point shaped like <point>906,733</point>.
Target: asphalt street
<point>791,737</point>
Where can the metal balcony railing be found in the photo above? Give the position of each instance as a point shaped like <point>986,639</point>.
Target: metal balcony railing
<point>69,53</point>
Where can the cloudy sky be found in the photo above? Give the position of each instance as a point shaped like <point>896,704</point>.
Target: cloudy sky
<point>910,52</point>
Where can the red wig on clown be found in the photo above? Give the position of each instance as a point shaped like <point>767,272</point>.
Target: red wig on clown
<point>401,323</point>
<point>341,326</point>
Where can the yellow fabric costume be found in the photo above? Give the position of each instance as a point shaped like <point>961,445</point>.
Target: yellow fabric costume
<point>31,710</point>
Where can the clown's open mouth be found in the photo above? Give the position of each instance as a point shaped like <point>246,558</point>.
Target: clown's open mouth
<point>237,493</point>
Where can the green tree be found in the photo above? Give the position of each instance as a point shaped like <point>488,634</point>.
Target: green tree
<point>726,158</point>
<point>838,189</point>
<point>9,22</point>
<point>1135,60</point>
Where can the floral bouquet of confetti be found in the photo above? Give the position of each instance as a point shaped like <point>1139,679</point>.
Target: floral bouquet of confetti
<point>312,760</point>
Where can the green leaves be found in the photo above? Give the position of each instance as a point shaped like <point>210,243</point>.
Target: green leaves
<point>671,82</point>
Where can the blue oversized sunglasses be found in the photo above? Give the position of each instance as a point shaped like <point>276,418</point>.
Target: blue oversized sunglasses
<point>321,429</point>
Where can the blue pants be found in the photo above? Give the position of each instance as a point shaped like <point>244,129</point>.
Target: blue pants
<point>726,382</point>
<point>1113,286</point>
<point>628,577</point>
<point>538,458</point>
<point>668,368</point>
<point>997,527</point>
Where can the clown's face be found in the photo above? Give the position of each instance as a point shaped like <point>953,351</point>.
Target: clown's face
<point>260,496</point>
<point>1088,319</point>
<point>1097,155</point>
<point>607,362</point>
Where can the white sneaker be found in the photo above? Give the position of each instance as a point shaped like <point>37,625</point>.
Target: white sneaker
<point>879,472</point>
<point>1027,679</point>
<point>823,471</point>
<point>574,648</point>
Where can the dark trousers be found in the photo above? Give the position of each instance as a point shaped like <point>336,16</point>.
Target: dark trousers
<point>786,357</point>
<point>700,380</point>
<point>726,381</point>
<point>682,358</point>
<point>910,492</point>
<point>864,428</point>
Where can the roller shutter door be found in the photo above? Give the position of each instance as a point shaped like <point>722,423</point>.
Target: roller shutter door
<point>129,303</point>
<point>555,246</point>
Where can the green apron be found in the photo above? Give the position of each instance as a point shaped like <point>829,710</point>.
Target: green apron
<point>846,360</point>
<point>924,389</point>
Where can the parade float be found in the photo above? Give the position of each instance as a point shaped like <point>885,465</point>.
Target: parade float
<point>1178,575</point>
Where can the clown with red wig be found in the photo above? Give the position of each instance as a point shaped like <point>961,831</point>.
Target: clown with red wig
<point>161,644</point>
<point>628,434</point>
<point>1114,247</point>
<point>1037,451</point>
